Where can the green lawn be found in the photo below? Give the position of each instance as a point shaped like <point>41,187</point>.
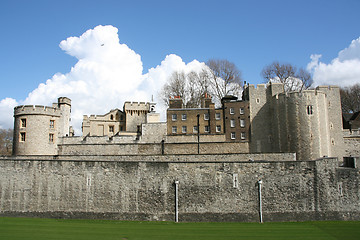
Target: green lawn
<point>35,228</point>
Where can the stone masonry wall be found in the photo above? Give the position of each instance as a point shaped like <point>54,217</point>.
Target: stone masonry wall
<point>109,148</point>
<point>352,146</point>
<point>208,191</point>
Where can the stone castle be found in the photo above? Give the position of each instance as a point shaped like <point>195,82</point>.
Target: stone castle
<point>128,165</point>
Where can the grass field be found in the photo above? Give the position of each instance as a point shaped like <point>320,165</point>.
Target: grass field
<point>34,228</point>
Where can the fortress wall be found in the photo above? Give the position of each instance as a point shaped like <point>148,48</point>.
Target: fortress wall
<point>352,146</point>
<point>113,148</point>
<point>221,191</point>
<point>153,132</point>
<point>230,157</point>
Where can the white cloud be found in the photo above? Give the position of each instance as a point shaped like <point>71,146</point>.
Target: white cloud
<point>6,112</point>
<point>106,75</point>
<point>342,71</point>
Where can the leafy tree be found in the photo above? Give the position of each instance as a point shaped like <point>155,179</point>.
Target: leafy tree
<point>6,139</point>
<point>287,74</point>
<point>350,98</point>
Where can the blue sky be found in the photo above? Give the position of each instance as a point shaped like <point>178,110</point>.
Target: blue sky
<point>251,34</point>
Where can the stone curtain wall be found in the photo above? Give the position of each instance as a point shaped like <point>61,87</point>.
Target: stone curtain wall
<point>109,148</point>
<point>208,191</point>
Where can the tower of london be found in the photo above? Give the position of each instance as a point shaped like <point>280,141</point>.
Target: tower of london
<point>126,162</point>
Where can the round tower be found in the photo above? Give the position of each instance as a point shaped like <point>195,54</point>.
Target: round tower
<point>38,128</point>
<point>302,124</point>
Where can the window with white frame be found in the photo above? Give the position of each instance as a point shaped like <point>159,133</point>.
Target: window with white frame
<point>232,123</point>
<point>207,129</point>
<point>232,111</point>
<point>184,129</point>
<point>183,117</point>
<point>242,111</point>
<point>174,129</point>
<point>218,128</point>
<point>206,116</point>
<point>195,129</point>
<point>242,135</point>
<point>173,117</point>
<point>242,122</point>
<point>52,123</point>
<point>233,136</point>
<point>217,116</point>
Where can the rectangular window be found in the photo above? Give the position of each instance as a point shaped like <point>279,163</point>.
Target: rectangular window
<point>51,137</point>
<point>174,117</point>
<point>111,129</point>
<point>232,111</point>
<point>242,122</point>
<point>195,129</point>
<point>174,129</point>
<point>52,123</point>
<point>184,129</point>
<point>183,117</point>
<point>243,136</point>
<point>309,109</point>
<point>242,111</point>
<point>23,123</point>
<point>232,123</point>
<point>235,180</point>
<point>217,116</point>
<point>233,136</point>
<point>218,128</point>
<point>206,116</point>
<point>207,129</point>
<point>22,137</point>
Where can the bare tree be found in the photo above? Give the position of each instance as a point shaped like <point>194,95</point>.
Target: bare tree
<point>350,98</point>
<point>6,139</point>
<point>199,85</point>
<point>305,78</point>
<point>288,75</point>
<point>176,86</point>
<point>225,78</point>
<point>218,79</point>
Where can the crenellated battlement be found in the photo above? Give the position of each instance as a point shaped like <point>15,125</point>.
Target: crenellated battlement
<point>307,94</point>
<point>36,110</point>
<point>137,106</point>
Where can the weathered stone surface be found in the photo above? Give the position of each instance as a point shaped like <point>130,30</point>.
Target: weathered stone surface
<point>208,191</point>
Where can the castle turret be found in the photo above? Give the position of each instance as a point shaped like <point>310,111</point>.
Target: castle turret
<point>135,115</point>
<point>38,128</point>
